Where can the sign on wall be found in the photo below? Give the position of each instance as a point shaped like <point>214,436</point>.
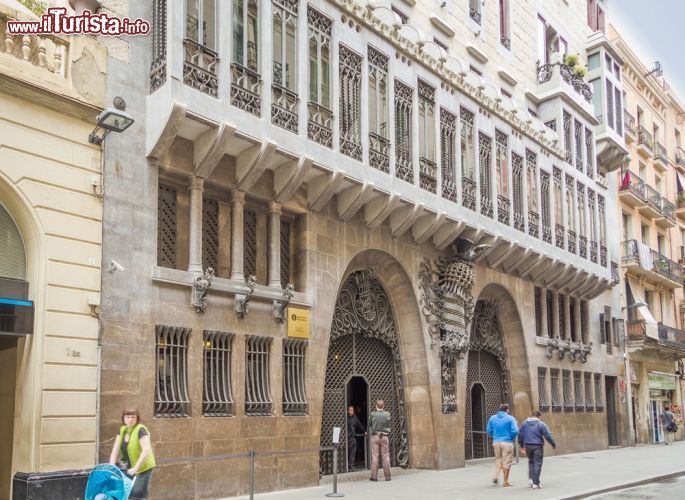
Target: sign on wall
<point>298,323</point>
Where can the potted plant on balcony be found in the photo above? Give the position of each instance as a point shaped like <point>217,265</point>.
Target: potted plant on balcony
<point>571,60</point>
<point>681,199</point>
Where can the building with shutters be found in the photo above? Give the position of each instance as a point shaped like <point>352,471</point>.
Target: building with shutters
<point>331,202</point>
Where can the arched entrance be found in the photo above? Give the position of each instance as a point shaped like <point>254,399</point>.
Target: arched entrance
<point>487,378</point>
<point>364,345</point>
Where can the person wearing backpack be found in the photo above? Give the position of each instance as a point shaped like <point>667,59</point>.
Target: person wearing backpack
<point>532,436</point>
<point>668,422</point>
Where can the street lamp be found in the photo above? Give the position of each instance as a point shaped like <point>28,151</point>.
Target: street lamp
<point>110,120</point>
<point>626,368</point>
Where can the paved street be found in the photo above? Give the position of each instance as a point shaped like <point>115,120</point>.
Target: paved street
<point>565,476</point>
<point>668,489</point>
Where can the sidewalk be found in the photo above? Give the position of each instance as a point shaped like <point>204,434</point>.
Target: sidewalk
<point>564,476</point>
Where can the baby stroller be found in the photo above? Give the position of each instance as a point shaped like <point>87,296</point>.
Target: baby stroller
<point>108,482</point>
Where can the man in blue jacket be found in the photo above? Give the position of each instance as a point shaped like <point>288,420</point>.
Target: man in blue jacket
<point>532,437</point>
<point>502,428</point>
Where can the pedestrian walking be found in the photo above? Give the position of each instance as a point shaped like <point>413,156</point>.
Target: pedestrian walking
<point>503,429</point>
<point>354,427</point>
<point>532,436</point>
<point>669,425</point>
<point>379,427</point>
<point>137,458</point>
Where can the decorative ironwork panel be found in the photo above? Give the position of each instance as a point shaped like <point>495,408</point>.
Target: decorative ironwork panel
<point>579,144</point>
<point>566,388</point>
<point>467,159</point>
<point>556,393</point>
<point>379,144</point>
<point>428,169</point>
<point>171,388</point>
<point>568,137</point>
<point>245,89</point>
<point>158,65</point>
<point>543,398</point>
<point>319,124</point>
<point>501,165</point>
<point>199,67</point>
<point>379,152</point>
<point>350,64</point>
<point>589,403</point>
<point>533,224</point>
<point>257,373</point>
<point>286,252</point>
<point>364,342</point>
<point>517,189</point>
<point>578,391</point>
<point>582,229</point>
<point>593,251</point>
<point>250,243</point>
<point>619,111</point>
<point>404,169</point>
<point>210,234</point>
<point>217,394</point>
<point>571,240</point>
<point>294,396</point>
<point>610,103</point>
<point>503,206</point>
<point>166,226</point>
<point>545,208</point>
<point>582,246</point>
<point>284,108</point>
<point>559,235</point>
<point>484,155</point>
<point>599,399</point>
<point>448,154</point>
<point>589,153</point>
<point>320,118</point>
<point>468,193</point>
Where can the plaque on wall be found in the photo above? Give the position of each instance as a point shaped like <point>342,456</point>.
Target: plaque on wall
<point>298,323</point>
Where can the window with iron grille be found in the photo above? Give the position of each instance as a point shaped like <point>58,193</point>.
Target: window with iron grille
<point>556,394</point>
<point>580,193</point>
<point>610,104</point>
<point>589,403</point>
<point>171,388</point>
<point>545,208</point>
<point>210,234</point>
<point>257,374</point>
<point>538,311</point>
<point>517,190</point>
<point>578,391</point>
<point>245,77</point>
<point>599,399</point>
<point>579,144</point>
<point>568,137</point>
<point>589,153</point>
<point>404,168</point>
<point>562,317</point>
<point>217,393</point>
<point>502,141</point>
<point>531,167</point>
<point>592,233</point>
<point>619,111</point>
<point>602,221</point>
<point>448,154</point>
<point>485,153</point>
<point>250,243</point>
<point>350,65</point>
<point>158,66</point>
<point>286,252</point>
<point>566,388</point>
<point>284,107</point>
<point>379,143</point>
<point>319,126</point>
<point>166,226</point>
<point>428,175</point>
<point>542,389</point>
<point>570,209</point>
<point>467,155</point>
<point>294,397</point>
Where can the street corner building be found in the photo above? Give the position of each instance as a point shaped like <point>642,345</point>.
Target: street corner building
<point>51,89</point>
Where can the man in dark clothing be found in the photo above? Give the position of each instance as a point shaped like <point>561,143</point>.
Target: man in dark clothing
<point>532,435</point>
<point>354,427</point>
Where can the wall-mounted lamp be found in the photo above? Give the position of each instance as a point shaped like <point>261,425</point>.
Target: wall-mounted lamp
<point>110,120</point>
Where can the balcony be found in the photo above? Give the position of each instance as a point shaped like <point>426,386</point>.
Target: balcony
<point>680,208</point>
<point>668,343</point>
<point>644,143</point>
<point>630,132</point>
<point>652,208</point>
<point>680,158</point>
<point>632,190</point>
<point>556,80</point>
<point>666,218</point>
<point>660,157</point>
<point>641,260</point>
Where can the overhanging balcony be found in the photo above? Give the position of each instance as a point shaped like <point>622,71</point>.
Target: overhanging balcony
<point>632,191</point>
<point>666,218</point>
<point>556,80</point>
<point>652,207</point>
<point>645,143</point>
<point>629,131</point>
<point>680,158</point>
<point>680,210</point>
<point>641,260</point>
<point>660,157</point>
<point>668,343</point>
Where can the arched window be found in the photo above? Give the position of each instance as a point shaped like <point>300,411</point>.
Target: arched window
<point>12,252</point>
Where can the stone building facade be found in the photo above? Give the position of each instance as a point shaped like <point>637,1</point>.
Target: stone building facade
<point>652,215</point>
<point>424,181</point>
<point>51,89</point>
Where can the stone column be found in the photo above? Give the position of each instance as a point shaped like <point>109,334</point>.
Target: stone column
<point>275,244</point>
<point>555,314</point>
<point>224,258</point>
<point>567,317</point>
<point>237,208</point>
<point>543,312</point>
<point>195,226</point>
<point>576,312</point>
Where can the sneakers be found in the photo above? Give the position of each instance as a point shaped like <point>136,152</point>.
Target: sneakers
<point>495,480</point>
<point>536,487</point>
<point>530,483</point>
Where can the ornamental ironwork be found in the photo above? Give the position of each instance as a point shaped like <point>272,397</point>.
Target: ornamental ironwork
<point>217,393</point>
<point>210,233</point>
<point>517,190</point>
<point>350,65</point>
<point>245,89</point>
<point>589,153</point>
<point>199,67</point>
<point>158,64</point>
<point>448,153</point>
<point>579,144</point>
<point>404,168</point>
<point>545,208</point>
<point>568,137</point>
<point>166,226</point>
<point>484,155</point>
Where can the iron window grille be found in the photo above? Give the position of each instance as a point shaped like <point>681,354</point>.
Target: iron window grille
<point>484,154</point>
<point>250,243</point>
<point>467,159</point>
<point>610,104</point>
<point>294,396</point>
<point>217,395</point>
<point>579,144</point>
<point>584,330</point>
<point>428,169</point>
<point>350,68</point>
<point>599,400</point>
<point>286,252</point>
<point>589,153</point>
<point>562,317</point>
<point>538,310</point>
<point>517,190</point>
<point>158,65</point>
<point>542,389</point>
<point>404,168</point>
<point>566,389</point>
<point>171,388</point>
<point>619,111</point>
<point>166,226</point>
<point>210,234</point>
<point>448,154</point>
<point>568,137</point>
<point>578,391</point>
<point>502,172</point>
<point>284,88</point>
<point>556,395</point>
<point>545,208</point>
<point>258,399</point>
<point>379,144</point>
<point>319,125</point>
<point>589,403</point>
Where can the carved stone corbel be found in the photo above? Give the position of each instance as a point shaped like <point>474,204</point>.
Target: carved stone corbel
<point>201,286</point>
<point>242,302</point>
<point>584,351</point>
<point>552,345</point>
<point>280,305</point>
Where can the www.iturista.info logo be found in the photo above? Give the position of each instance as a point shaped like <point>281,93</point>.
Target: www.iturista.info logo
<point>55,20</point>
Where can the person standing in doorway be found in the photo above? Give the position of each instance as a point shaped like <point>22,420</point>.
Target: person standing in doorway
<point>354,427</point>
<point>668,424</point>
<point>503,429</point>
<point>532,436</point>
<point>380,443</point>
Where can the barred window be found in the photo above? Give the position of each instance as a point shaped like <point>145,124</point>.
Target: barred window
<point>619,111</point>
<point>578,391</point>
<point>538,311</point>
<point>448,154</point>
<point>467,152</point>
<point>257,374</point>
<point>568,137</point>
<point>210,234</point>
<point>579,145</point>
<point>250,242</point>
<point>610,104</point>
<point>286,252</point>
<point>171,389</point>
<point>404,168</point>
<point>284,71</point>
<point>517,190</point>
<point>589,153</point>
<point>556,395</point>
<point>485,153</point>
<point>562,316</point>
<point>428,176</point>
<point>542,389</point>
<point>166,226</point>
<point>566,388</point>
<point>350,103</point>
<point>589,403</point>
<point>501,163</point>
<point>599,400</point>
<point>379,144</point>
<point>217,395</point>
<point>294,397</point>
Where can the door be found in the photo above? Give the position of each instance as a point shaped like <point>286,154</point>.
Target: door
<point>612,417</point>
<point>655,421</point>
<point>358,398</point>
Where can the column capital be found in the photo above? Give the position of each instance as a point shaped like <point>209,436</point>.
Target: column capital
<point>195,182</point>
<point>275,207</point>
<point>237,196</point>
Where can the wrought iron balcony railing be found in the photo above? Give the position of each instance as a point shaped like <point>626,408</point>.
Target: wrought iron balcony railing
<point>200,67</point>
<point>379,152</point>
<point>593,251</point>
<point>245,89</point>
<point>468,193</point>
<point>485,204</point>
<point>668,209</point>
<point>428,174</point>
<point>653,197</point>
<point>629,123</point>
<point>533,224</point>
<point>645,138</point>
<point>319,123</point>
<point>672,336</point>
<point>519,221</point>
<point>659,263</point>
<point>633,183</point>
<point>680,157</point>
<point>503,205</point>
<point>571,240</point>
<point>559,235</point>
<point>546,71</point>
<point>603,255</point>
<point>660,152</point>
<point>547,233</point>
<point>582,246</point>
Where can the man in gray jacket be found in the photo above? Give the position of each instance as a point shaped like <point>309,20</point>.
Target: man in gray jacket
<point>532,436</point>
<point>379,427</point>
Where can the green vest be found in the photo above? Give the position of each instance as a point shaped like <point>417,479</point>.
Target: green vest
<point>380,421</point>
<point>134,450</point>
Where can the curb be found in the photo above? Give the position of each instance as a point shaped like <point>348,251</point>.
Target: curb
<point>623,486</point>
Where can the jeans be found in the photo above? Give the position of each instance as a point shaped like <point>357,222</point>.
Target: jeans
<point>535,455</point>
<point>141,487</point>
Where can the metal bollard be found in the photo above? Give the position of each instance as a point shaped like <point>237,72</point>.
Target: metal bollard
<point>250,455</point>
<point>335,474</point>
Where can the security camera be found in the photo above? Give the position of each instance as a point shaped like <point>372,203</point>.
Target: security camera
<point>115,266</point>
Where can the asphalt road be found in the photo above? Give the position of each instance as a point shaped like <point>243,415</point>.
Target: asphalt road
<point>668,489</point>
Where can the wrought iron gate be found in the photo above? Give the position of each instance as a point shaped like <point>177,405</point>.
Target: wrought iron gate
<point>363,342</point>
<point>486,379</point>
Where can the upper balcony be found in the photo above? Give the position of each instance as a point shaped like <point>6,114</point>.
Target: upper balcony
<point>641,260</point>
<point>556,79</point>
<point>680,159</point>
<point>645,143</point>
<point>632,190</point>
<point>629,129</point>
<point>660,157</point>
<point>666,342</point>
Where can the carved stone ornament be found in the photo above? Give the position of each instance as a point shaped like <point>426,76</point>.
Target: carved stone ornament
<point>282,304</point>
<point>242,302</point>
<point>201,286</point>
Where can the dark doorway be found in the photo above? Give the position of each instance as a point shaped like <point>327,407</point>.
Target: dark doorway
<point>612,423</point>
<point>478,437</point>
<point>358,397</point>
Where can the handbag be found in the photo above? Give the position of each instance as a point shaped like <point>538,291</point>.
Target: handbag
<point>672,427</point>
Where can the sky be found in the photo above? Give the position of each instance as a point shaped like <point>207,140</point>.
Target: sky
<point>654,31</point>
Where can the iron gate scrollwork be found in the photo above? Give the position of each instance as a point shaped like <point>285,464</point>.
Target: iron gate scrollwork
<point>364,342</point>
